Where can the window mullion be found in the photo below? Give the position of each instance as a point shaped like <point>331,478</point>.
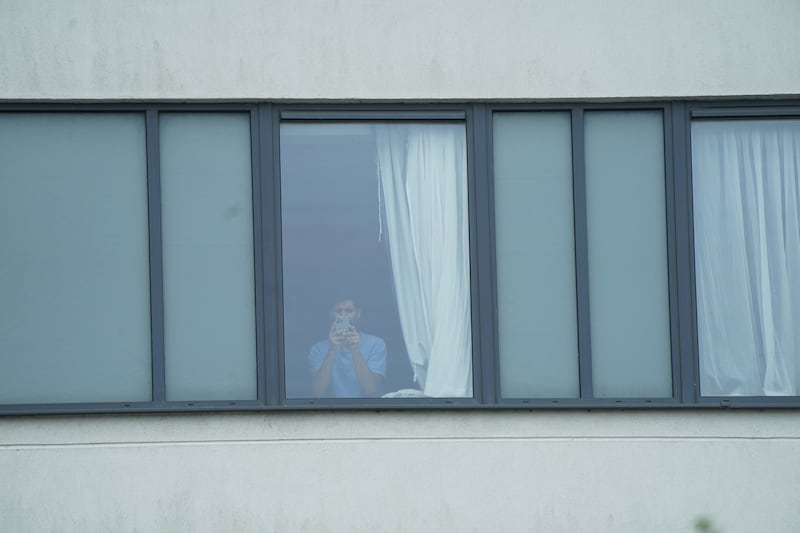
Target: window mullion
<point>581,254</point>
<point>156,270</point>
<point>483,302</point>
<point>682,326</point>
<point>258,252</point>
<point>270,243</point>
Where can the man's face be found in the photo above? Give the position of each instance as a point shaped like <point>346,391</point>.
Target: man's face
<point>346,308</point>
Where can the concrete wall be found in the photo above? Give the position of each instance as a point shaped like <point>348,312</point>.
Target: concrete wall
<point>410,49</point>
<point>643,471</point>
<point>553,471</point>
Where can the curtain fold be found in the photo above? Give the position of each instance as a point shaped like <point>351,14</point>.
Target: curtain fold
<point>747,256</point>
<point>422,172</point>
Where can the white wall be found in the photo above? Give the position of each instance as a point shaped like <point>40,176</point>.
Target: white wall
<point>642,471</point>
<point>409,49</point>
<point>568,471</point>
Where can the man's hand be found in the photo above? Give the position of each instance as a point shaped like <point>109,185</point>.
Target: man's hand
<point>337,339</point>
<point>351,338</point>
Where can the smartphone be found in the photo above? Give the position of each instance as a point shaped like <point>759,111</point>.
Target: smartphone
<point>341,323</point>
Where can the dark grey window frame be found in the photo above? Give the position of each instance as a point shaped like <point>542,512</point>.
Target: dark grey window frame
<point>265,119</point>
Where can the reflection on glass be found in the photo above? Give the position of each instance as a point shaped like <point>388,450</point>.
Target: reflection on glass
<point>535,255</point>
<point>746,180</point>
<point>74,274</point>
<point>375,260</point>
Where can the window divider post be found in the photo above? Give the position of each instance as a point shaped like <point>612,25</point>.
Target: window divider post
<point>159,387</point>
<point>581,254</point>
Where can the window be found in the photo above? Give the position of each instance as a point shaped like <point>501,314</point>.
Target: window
<point>746,178</point>
<point>628,267</point>
<point>165,257</point>
<point>598,328</point>
<point>74,280</point>
<point>535,255</point>
<point>375,229</point>
<point>207,250</point>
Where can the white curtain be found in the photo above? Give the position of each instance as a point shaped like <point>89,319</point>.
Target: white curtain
<point>422,170</point>
<point>747,256</point>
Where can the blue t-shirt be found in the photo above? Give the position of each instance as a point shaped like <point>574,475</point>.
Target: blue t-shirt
<point>344,382</point>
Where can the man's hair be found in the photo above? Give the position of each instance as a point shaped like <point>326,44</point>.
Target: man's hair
<point>345,297</point>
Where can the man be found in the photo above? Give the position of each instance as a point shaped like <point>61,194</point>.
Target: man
<point>350,363</point>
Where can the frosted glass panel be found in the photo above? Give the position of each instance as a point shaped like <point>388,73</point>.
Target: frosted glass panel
<point>535,255</point>
<point>74,279</point>
<point>207,220</point>
<point>628,280</point>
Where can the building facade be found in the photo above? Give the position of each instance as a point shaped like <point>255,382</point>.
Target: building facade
<point>598,381</point>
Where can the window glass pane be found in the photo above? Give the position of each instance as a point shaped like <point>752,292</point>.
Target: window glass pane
<point>746,181</point>
<point>535,255</point>
<point>628,280</point>
<point>74,279</point>
<point>207,226</point>
<point>375,242</point>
